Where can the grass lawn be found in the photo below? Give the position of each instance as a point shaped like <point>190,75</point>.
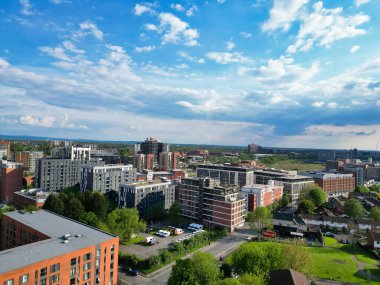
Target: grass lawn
<point>132,240</point>
<point>291,164</point>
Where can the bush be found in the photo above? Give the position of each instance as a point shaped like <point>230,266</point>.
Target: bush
<point>165,256</point>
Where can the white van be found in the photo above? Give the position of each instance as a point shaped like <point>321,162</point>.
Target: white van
<point>163,233</point>
<point>195,227</point>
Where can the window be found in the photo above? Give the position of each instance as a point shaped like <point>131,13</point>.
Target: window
<point>87,256</point>
<point>9,282</point>
<point>97,252</point>
<point>97,262</point>
<point>43,271</point>
<point>43,281</point>
<point>87,276</point>
<point>54,278</point>
<point>87,283</point>
<point>54,268</point>
<point>72,271</point>
<point>24,278</point>
<point>86,266</point>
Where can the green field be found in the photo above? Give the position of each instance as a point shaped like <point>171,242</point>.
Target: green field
<point>291,164</point>
<point>342,263</point>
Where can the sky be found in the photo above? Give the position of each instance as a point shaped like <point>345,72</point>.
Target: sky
<point>284,73</point>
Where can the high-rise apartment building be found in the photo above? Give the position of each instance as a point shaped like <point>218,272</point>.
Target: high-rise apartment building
<point>11,174</point>
<point>226,174</point>
<point>168,160</point>
<point>28,158</point>
<point>73,152</point>
<point>205,201</point>
<point>139,162</point>
<point>325,155</point>
<point>5,150</point>
<point>254,148</point>
<point>143,195</point>
<point>107,177</point>
<point>44,248</point>
<point>57,174</point>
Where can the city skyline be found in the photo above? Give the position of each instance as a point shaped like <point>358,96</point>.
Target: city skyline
<point>295,73</point>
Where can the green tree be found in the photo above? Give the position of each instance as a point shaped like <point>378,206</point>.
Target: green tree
<point>306,207</point>
<point>362,189</point>
<point>374,213</point>
<point>318,196</point>
<point>125,222</point>
<point>260,218</point>
<point>54,204</point>
<point>285,200</point>
<point>297,257</point>
<point>375,188</point>
<point>230,281</point>
<point>98,204</point>
<point>74,208</point>
<point>155,212</point>
<point>201,269</point>
<point>89,218</point>
<point>174,214</point>
<point>31,208</point>
<point>251,279</point>
<point>353,208</point>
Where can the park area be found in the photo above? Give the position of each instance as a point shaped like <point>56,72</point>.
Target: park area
<point>292,164</point>
<point>349,264</point>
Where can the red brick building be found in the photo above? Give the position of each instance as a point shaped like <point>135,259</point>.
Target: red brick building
<point>45,248</point>
<point>30,197</point>
<point>5,150</point>
<point>259,195</point>
<point>11,174</point>
<point>334,184</point>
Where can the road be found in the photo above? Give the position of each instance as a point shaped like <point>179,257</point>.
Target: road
<point>220,248</point>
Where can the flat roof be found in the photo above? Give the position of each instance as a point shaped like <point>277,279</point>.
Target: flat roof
<point>55,227</point>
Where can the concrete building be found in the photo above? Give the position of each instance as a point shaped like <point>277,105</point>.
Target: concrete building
<point>334,184</point>
<point>372,172</point>
<point>107,177</point>
<point>357,171</point>
<point>139,162</point>
<point>333,165</point>
<point>325,155</point>
<point>28,158</point>
<point>254,148</point>
<point>226,174</point>
<point>292,182</point>
<point>143,195</point>
<point>11,174</point>
<point>30,197</point>
<point>152,146</point>
<point>5,150</point>
<point>57,174</point>
<point>73,152</point>
<point>203,200</point>
<point>258,195</point>
<point>168,160</point>
<point>45,248</point>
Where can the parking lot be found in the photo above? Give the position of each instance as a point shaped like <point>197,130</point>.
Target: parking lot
<point>144,251</point>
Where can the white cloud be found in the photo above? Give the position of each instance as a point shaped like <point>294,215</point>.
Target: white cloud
<point>26,7</point>
<point>318,104</point>
<point>361,2</point>
<point>141,9</point>
<point>151,27</point>
<point>177,7</point>
<point>230,45</point>
<point>246,35</point>
<point>40,122</point>
<point>227,57</point>
<point>57,52</point>
<point>354,49</point>
<point>190,12</point>
<point>332,105</point>
<point>87,28</point>
<point>191,58</point>
<point>324,26</point>
<point>145,49</point>
<point>282,15</point>
<point>175,30</point>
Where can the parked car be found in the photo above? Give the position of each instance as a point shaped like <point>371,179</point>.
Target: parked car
<point>131,271</point>
<point>328,234</point>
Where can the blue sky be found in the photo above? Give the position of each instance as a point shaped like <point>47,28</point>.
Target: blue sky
<point>287,73</point>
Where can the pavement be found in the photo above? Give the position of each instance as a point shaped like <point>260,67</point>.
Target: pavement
<point>220,248</point>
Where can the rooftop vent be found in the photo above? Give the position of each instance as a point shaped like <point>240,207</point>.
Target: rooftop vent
<point>65,241</point>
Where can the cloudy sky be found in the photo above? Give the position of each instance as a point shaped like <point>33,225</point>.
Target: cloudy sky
<point>286,73</point>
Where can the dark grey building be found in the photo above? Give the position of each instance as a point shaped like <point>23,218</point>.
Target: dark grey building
<point>143,195</point>
<point>226,174</point>
<point>106,177</point>
<point>57,174</point>
<point>152,146</point>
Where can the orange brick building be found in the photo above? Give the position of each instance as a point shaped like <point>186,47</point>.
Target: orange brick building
<point>10,180</point>
<point>44,248</point>
<point>5,150</point>
<point>260,195</point>
<point>334,184</point>
<point>30,197</point>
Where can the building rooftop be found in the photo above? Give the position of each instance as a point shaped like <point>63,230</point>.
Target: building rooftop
<point>55,227</point>
<point>147,183</point>
<point>34,193</point>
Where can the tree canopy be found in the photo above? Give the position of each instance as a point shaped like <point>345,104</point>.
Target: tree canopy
<point>362,189</point>
<point>306,207</point>
<point>54,204</point>
<point>318,196</point>
<point>374,213</point>
<point>353,208</point>
<point>260,218</point>
<point>174,214</point>
<point>125,222</point>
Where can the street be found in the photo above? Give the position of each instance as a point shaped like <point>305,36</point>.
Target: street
<point>220,248</point>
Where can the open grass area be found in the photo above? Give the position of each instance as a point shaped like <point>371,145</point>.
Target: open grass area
<point>133,240</point>
<point>337,262</point>
<point>291,164</point>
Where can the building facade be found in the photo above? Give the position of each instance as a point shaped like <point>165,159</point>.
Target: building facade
<point>55,250</point>
<point>258,195</point>
<point>73,152</point>
<point>30,197</point>
<point>205,201</point>
<point>28,158</point>
<point>5,150</point>
<point>107,177</point>
<point>325,155</point>
<point>226,174</point>
<point>57,174</point>
<point>11,174</point>
<point>144,195</point>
